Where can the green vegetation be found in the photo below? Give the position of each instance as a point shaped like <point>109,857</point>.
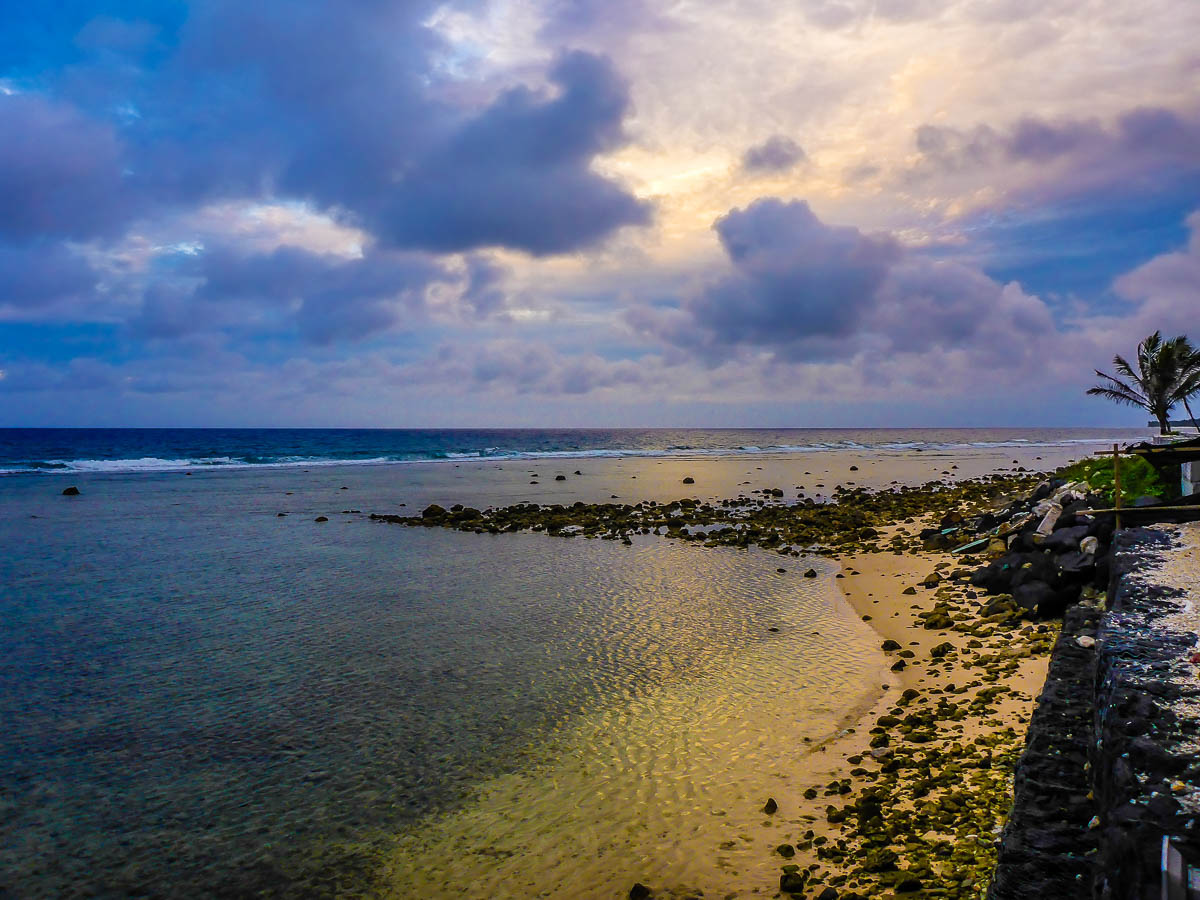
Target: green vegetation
<point>1138,477</point>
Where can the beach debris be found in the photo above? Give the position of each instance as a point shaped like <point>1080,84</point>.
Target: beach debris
<point>71,491</point>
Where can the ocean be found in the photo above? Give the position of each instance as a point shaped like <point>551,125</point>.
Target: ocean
<point>204,697</point>
<point>74,450</point>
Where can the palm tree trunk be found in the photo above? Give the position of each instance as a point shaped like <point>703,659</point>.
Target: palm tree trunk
<point>1163,427</point>
<point>1187,407</point>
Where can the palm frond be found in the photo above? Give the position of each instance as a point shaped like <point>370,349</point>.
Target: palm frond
<point>1118,396</point>
<point>1120,385</point>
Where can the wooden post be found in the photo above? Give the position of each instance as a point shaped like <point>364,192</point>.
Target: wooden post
<point>1117,485</point>
<point>1115,453</point>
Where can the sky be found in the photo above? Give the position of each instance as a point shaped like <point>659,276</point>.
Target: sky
<point>591,212</point>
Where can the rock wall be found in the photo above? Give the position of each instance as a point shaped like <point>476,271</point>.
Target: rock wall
<point>1111,760</point>
<point>1046,846</point>
<point>1144,760</point>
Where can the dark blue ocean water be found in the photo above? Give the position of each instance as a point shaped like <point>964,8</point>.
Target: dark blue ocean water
<point>69,450</point>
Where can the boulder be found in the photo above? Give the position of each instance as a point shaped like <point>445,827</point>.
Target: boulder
<point>433,511</point>
<point>1065,539</point>
<point>72,491</point>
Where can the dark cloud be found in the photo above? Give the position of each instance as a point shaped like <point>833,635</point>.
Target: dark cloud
<point>40,275</point>
<point>345,107</point>
<point>60,172</point>
<point>483,294</point>
<point>332,298</point>
<point>777,153</point>
<point>519,175</point>
<point>1141,136</point>
<point>801,291</point>
<point>324,297</point>
<point>794,277</point>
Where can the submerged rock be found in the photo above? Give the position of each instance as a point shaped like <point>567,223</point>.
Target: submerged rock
<point>72,491</point>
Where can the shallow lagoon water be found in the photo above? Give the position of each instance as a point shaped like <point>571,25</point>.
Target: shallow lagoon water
<point>203,697</point>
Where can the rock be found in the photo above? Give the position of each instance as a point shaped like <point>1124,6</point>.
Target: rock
<point>899,665</point>
<point>1089,545</point>
<point>1085,641</point>
<point>71,491</point>
<point>908,885</point>
<point>560,477</point>
<point>909,591</point>
<point>787,851</point>
<point>938,620</point>
<point>771,806</point>
<point>828,894</point>
<point>321,519</point>
<point>793,882</point>
<point>1065,539</point>
<point>811,573</point>
<point>577,472</point>
<point>941,650</point>
<point>280,515</point>
<point>433,511</point>
<point>640,892</point>
<point>890,645</point>
<point>854,468</point>
<point>882,860</point>
<point>689,480</point>
<point>933,579</point>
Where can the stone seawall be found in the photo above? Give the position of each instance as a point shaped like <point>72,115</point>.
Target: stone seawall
<point>1110,765</point>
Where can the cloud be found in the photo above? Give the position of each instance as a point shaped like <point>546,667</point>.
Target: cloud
<point>519,175</point>
<point>323,297</point>
<point>1144,139</point>
<point>801,291</point>
<point>777,153</point>
<point>529,367</point>
<point>41,276</point>
<point>1166,289</point>
<point>60,172</point>
<point>794,280</point>
<point>347,109</point>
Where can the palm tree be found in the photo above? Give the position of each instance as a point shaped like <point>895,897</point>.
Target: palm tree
<point>1190,381</point>
<point>1168,372</point>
